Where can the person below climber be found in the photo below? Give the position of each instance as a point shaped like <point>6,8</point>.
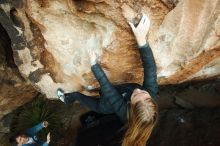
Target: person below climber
<point>29,138</point>
<point>134,104</point>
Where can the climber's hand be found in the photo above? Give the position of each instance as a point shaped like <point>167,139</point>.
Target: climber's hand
<point>92,57</point>
<point>141,30</point>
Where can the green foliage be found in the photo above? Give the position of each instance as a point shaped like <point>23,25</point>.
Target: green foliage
<point>36,112</point>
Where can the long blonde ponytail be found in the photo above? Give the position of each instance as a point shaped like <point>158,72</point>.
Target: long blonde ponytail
<point>143,117</point>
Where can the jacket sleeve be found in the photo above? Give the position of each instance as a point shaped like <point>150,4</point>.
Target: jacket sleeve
<point>40,143</point>
<point>150,73</point>
<point>43,143</point>
<point>32,131</point>
<point>110,93</point>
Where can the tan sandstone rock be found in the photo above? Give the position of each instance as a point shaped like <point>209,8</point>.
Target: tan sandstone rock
<point>51,39</point>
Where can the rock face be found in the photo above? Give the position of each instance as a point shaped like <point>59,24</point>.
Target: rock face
<point>14,90</point>
<point>51,39</point>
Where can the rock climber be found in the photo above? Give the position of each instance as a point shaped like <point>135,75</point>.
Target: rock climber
<point>134,104</point>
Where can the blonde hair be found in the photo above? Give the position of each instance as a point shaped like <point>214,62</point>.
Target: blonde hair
<point>142,118</point>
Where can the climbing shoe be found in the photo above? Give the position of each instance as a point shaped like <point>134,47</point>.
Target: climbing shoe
<point>60,94</point>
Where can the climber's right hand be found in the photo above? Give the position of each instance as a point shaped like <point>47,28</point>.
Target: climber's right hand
<point>141,30</point>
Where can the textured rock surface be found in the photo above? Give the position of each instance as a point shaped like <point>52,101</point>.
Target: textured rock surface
<point>50,40</point>
<point>14,90</point>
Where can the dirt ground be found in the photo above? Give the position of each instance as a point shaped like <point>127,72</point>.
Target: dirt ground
<point>189,116</point>
<point>181,127</point>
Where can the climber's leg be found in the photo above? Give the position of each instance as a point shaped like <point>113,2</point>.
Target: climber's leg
<point>94,103</point>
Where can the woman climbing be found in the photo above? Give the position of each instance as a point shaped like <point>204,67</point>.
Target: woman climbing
<point>134,104</point>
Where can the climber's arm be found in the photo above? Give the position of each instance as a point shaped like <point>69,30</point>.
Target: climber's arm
<point>150,76</point>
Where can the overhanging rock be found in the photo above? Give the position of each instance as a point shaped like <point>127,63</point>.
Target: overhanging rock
<point>51,39</point>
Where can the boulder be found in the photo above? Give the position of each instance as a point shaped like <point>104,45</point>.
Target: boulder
<point>51,39</point>
<point>14,89</point>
